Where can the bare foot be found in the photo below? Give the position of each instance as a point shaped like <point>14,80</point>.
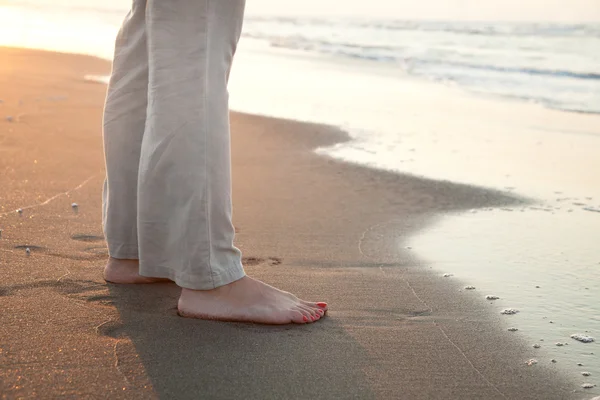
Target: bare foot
<point>249,300</point>
<point>126,271</point>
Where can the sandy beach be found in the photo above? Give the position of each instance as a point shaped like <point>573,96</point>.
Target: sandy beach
<point>306,223</point>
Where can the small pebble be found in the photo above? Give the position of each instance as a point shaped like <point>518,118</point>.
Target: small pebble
<point>553,360</point>
<point>27,251</point>
<point>509,311</point>
<point>408,248</point>
<point>470,287</point>
<point>536,346</point>
<point>74,205</point>
<point>447,275</point>
<point>20,211</point>
<point>585,374</point>
<point>513,329</point>
<point>582,338</point>
<point>588,386</point>
<point>559,344</point>
<point>580,364</point>
<point>531,362</point>
<point>491,297</point>
<point>537,287</point>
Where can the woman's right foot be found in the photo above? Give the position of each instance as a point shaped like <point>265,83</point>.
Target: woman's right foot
<point>249,300</point>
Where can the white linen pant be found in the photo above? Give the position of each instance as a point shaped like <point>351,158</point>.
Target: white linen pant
<point>167,195</point>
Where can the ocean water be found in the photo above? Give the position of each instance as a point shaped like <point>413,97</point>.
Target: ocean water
<point>551,64</point>
<point>512,107</point>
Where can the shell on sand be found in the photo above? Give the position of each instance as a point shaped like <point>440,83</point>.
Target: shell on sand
<point>513,329</point>
<point>588,386</point>
<point>447,275</point>
<point>531,362</point>
<point>582,338</point>
<point>470,287</point>
<point>509,311</point>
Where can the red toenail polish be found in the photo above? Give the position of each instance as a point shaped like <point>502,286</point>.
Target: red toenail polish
<point>322,305</point>
<point>305,319</point>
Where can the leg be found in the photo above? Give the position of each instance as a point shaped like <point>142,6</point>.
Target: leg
<point>124,121</point>
<point>184,186</point>
<point>184,192</point>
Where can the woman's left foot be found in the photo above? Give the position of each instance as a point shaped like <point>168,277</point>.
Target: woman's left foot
<point>126,271</point>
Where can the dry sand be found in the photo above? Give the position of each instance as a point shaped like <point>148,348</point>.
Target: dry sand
<point>311,225</point>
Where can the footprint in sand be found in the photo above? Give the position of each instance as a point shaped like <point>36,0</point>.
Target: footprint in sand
<point>87,238</point>
<point>251,261</point>
<point>80,290</point>
<point>99,251</point>
<point>30,248</point>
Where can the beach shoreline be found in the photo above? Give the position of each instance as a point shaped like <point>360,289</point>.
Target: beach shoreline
<point>306,223</point>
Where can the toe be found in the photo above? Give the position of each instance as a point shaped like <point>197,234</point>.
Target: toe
<point>309,304</point>
<point>298,317</point>
<point>312,312</point>
<point>316,306</point>
<point>306,313</point>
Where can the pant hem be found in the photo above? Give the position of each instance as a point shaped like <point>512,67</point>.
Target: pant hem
<point>192,282</point>
<point>123,251</point>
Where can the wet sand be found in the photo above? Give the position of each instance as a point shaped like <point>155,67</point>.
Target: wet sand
<point>318,227</point>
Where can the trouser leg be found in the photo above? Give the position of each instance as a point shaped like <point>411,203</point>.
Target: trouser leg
<point>123,130</point>
<point>184,191</point>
